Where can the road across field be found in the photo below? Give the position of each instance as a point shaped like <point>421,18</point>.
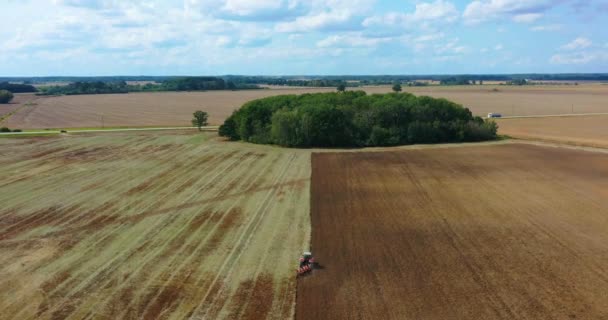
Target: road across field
<point>512,231</point>
<point>208,128</point>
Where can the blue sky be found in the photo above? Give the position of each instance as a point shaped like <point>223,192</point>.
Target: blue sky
<point>281,37</point>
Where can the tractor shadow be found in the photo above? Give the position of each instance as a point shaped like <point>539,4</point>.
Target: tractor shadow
<point>317,266</point>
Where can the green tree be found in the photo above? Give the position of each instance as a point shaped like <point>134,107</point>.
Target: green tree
<point>341,87</point>
<point>397,87</point>
<point>200,119</point>
<point>6,96</point>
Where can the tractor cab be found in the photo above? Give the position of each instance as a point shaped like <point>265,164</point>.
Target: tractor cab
<point>306,263</point>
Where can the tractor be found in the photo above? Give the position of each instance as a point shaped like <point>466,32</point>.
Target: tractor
<point>307,263</point>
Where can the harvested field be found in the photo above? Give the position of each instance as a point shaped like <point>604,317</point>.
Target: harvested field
<point>581,130</point>
<point>142,109</point>
<point>512,231</point>
<point>523,100</point>
<point>176,108</point>
<point>150,226</point>
<point>19,100</point>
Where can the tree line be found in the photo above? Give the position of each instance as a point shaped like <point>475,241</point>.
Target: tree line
<point>354,119</point>
<point>17,88</point>
<point>172,84</point>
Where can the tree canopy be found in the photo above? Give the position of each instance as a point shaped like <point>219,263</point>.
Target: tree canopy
<point>17,88</point>
<point>199,119</point>
<point>5,96</point>
<point>354,119</point>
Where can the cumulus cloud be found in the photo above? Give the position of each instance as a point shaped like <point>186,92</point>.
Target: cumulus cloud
<point>352,40</point>
<point>439,11</point>
<point>578,43</point>
<point>550,27</point>
<point>527,17</point>
<point>579,58</point>
<point>518,10</point>
<point>247,10</point>
<point>329,15</point>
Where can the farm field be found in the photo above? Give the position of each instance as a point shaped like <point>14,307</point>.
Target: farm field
<point>581,130</point>
<point>141,109</point>
<point>523,100</point>
<point>19,100</point>
<point>148,225</point>
<point>511,231</point>
<point>176,108</point>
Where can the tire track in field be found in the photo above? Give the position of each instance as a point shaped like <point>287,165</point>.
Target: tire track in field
<point>210,234</point>
<point>109,234</point>
<point>177,255</point>
<point>242,243</point>
<point>68,219</point>
<point>106,268</point>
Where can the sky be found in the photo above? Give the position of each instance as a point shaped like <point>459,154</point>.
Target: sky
<point>301,37</point>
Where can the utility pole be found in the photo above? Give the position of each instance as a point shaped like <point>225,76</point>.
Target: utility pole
<point>102,122</point>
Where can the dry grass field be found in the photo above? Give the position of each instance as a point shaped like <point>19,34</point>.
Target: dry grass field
<point>512,231</point>
<point>585,130</point>
<point>150,226</point>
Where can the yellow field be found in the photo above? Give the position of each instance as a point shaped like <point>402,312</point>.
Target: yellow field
<point>144,225</point>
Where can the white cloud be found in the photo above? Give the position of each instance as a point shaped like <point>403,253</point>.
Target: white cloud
<point>355,40</point>
<point>578,43</point>
<point>439,11</point>
<point>329,15</point>
<point>244,10</point>
<point>550,27</point>
<point>579,58</point>
<point>498,47</point>
<point>519,10</point>
<point>527,17</point>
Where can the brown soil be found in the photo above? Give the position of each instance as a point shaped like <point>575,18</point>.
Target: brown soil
<point>495,232</point>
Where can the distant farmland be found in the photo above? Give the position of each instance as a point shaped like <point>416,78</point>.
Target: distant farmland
<point>581,130</point>
<point>139,109</point>
<point>150,226</point>
<point>512,231</point>
<point>175,108</point>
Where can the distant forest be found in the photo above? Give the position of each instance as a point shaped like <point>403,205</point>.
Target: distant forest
<point>120,84</point>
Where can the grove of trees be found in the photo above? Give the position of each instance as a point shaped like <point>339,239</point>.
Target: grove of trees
<point>354,119</point>
<point>5,96</point>
<point>17,88</point>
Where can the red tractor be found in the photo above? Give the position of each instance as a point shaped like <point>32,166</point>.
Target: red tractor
<point>307,263</point>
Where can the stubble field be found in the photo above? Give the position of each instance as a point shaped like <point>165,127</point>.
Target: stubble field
<point>524,100</point>
<point>581,130</point>
<point>176,108</point>
<point>150,226</point>
<point>140,109</point>
<point>511,231</point>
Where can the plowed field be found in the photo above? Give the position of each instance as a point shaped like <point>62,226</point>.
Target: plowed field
<point>491,232</point>
<point>150,226</point>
